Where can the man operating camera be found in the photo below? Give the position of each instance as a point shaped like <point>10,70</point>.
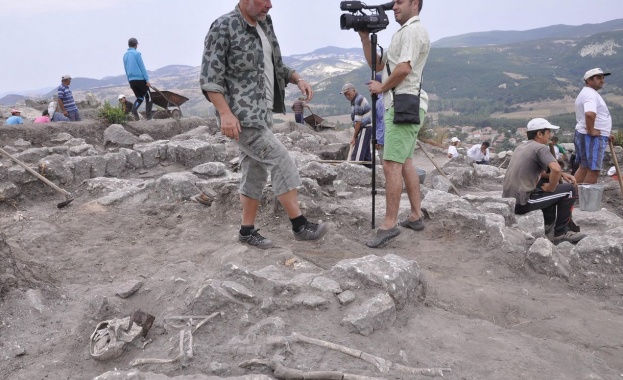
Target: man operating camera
<point>402,65</point>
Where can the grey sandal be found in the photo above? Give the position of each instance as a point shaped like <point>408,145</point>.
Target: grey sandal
<point>383,236</point>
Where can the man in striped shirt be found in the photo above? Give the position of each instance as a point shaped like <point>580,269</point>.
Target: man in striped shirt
<point>66,100</point>
<point>361,115</point>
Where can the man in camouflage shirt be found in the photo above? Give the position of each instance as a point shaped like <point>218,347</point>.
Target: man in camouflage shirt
<point>243,75</point>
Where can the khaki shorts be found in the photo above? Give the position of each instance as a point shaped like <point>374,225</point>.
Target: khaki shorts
<point>262,153</point>
<point>400,139</point>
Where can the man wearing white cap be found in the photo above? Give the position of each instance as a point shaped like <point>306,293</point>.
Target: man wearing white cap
<point>533,188</point>
<point>125,104</point>
<point>593,127</point>
<point>452,151</point>
<point>15,118</point>
<point>66,100</point>
<point>361,116</point>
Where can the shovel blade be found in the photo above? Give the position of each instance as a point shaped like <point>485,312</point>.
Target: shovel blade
<point>65,203</point>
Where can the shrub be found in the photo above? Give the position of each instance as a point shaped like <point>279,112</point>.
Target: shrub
<point>113,115</point>
<point>618,138</point>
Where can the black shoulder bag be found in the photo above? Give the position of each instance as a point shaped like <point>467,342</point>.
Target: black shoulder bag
<point>406,106</point>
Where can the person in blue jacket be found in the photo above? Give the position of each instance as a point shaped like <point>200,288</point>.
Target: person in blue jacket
<point>138,78</point>
<point>15,118</point>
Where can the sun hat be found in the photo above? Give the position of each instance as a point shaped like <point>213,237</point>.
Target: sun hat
<point>120,97</point>
<point>66,76</point>
<point>593,72</point>
<point>539,123</point>
<point>346,87</point>
<point>455,139</point>
<point>15,111</point>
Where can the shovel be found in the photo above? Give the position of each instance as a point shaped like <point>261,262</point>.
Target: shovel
<point>616,164</point>
<point>68,197</point>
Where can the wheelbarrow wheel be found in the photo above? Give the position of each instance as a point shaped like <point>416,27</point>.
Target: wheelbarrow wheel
<point>176,114</point>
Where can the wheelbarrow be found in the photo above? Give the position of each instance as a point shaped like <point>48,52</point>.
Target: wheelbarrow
<point>315,122</point>
<point>170,101</point>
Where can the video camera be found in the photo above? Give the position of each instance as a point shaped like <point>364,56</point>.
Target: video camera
<point>373,23</point>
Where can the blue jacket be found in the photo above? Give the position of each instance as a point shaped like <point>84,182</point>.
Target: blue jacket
<point>134,66</point>
<point>14,120</point>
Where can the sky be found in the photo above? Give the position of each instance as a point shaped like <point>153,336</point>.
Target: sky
<point>45,39</point>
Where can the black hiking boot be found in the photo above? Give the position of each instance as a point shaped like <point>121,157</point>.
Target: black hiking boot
<point>256,240</point>
<point>311,231</point>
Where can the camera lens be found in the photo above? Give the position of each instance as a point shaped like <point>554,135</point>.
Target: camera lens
<point>346,21</point>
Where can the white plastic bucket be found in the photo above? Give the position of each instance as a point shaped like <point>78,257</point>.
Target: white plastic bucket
<point>590,196</point>
<point>422,174</point>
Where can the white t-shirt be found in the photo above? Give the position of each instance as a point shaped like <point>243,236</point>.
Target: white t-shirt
<point>269,68</point>
<point>476,154</point>
<point>589,100</point>
<point>452,150</point>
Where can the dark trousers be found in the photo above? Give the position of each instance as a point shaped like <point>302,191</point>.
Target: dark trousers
<point>556,206</point>
<point>299,118</point>
<point>141,91</point>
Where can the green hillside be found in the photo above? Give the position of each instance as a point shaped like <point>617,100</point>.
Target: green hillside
<point>499,37</point>
<point>478,81</point>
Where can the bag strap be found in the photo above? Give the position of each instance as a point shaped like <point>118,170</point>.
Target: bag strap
<point>389,73</point>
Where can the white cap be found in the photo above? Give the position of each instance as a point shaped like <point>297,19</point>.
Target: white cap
<point>539,123</point>
<point>346,87</point>
<point>612,171</point>
<point>455,139</point>
<point>65,77</point>
<point>595,71</point>
<point>121,97</point>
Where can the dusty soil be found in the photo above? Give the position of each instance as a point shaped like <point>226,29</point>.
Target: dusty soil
<point>486,316</point>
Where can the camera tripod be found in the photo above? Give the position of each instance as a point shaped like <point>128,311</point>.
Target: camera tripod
<point>373,140</point>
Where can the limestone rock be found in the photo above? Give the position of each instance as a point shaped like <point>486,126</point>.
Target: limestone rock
<point>152,153</point>
<point>118,136</point>
<point>322,173</point>
<point>210,169</point>
<point>129,288</point>
<point>373,314</point>
<point>177,186</point>
<point>545,259</point>
<point>55,168</point>
<point>400,278</point>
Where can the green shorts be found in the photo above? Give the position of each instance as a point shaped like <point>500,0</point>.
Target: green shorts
<point>400,139</point>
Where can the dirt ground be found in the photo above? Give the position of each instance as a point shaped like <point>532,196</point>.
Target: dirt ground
<point>487,315</point>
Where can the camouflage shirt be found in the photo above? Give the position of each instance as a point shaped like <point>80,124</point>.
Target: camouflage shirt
<point>233,65</point>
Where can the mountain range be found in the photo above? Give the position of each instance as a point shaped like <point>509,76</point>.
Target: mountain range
<point>494,71</point>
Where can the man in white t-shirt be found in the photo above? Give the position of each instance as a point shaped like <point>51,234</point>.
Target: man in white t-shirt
<point>480,153</point>
<point>593,127</point>
<point>452,151</point>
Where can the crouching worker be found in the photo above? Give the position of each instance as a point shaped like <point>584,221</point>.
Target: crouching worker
<point>526,180</point>
<point>244,76</point>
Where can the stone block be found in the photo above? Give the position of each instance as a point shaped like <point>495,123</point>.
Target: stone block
<point>373,314</point>
<point>8,190</point>
<point>133,158</point>
<point>177,186</point>
<point>152,153</point>
<point>190,153</point>
<point>400,278</point>
<point>115,164</point>
<point>545,259</point>
<point>116,135</point>
<point>87,167</point>
<point>56,168</point>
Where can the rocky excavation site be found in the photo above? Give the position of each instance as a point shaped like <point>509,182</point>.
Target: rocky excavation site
<point>135,279</point>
